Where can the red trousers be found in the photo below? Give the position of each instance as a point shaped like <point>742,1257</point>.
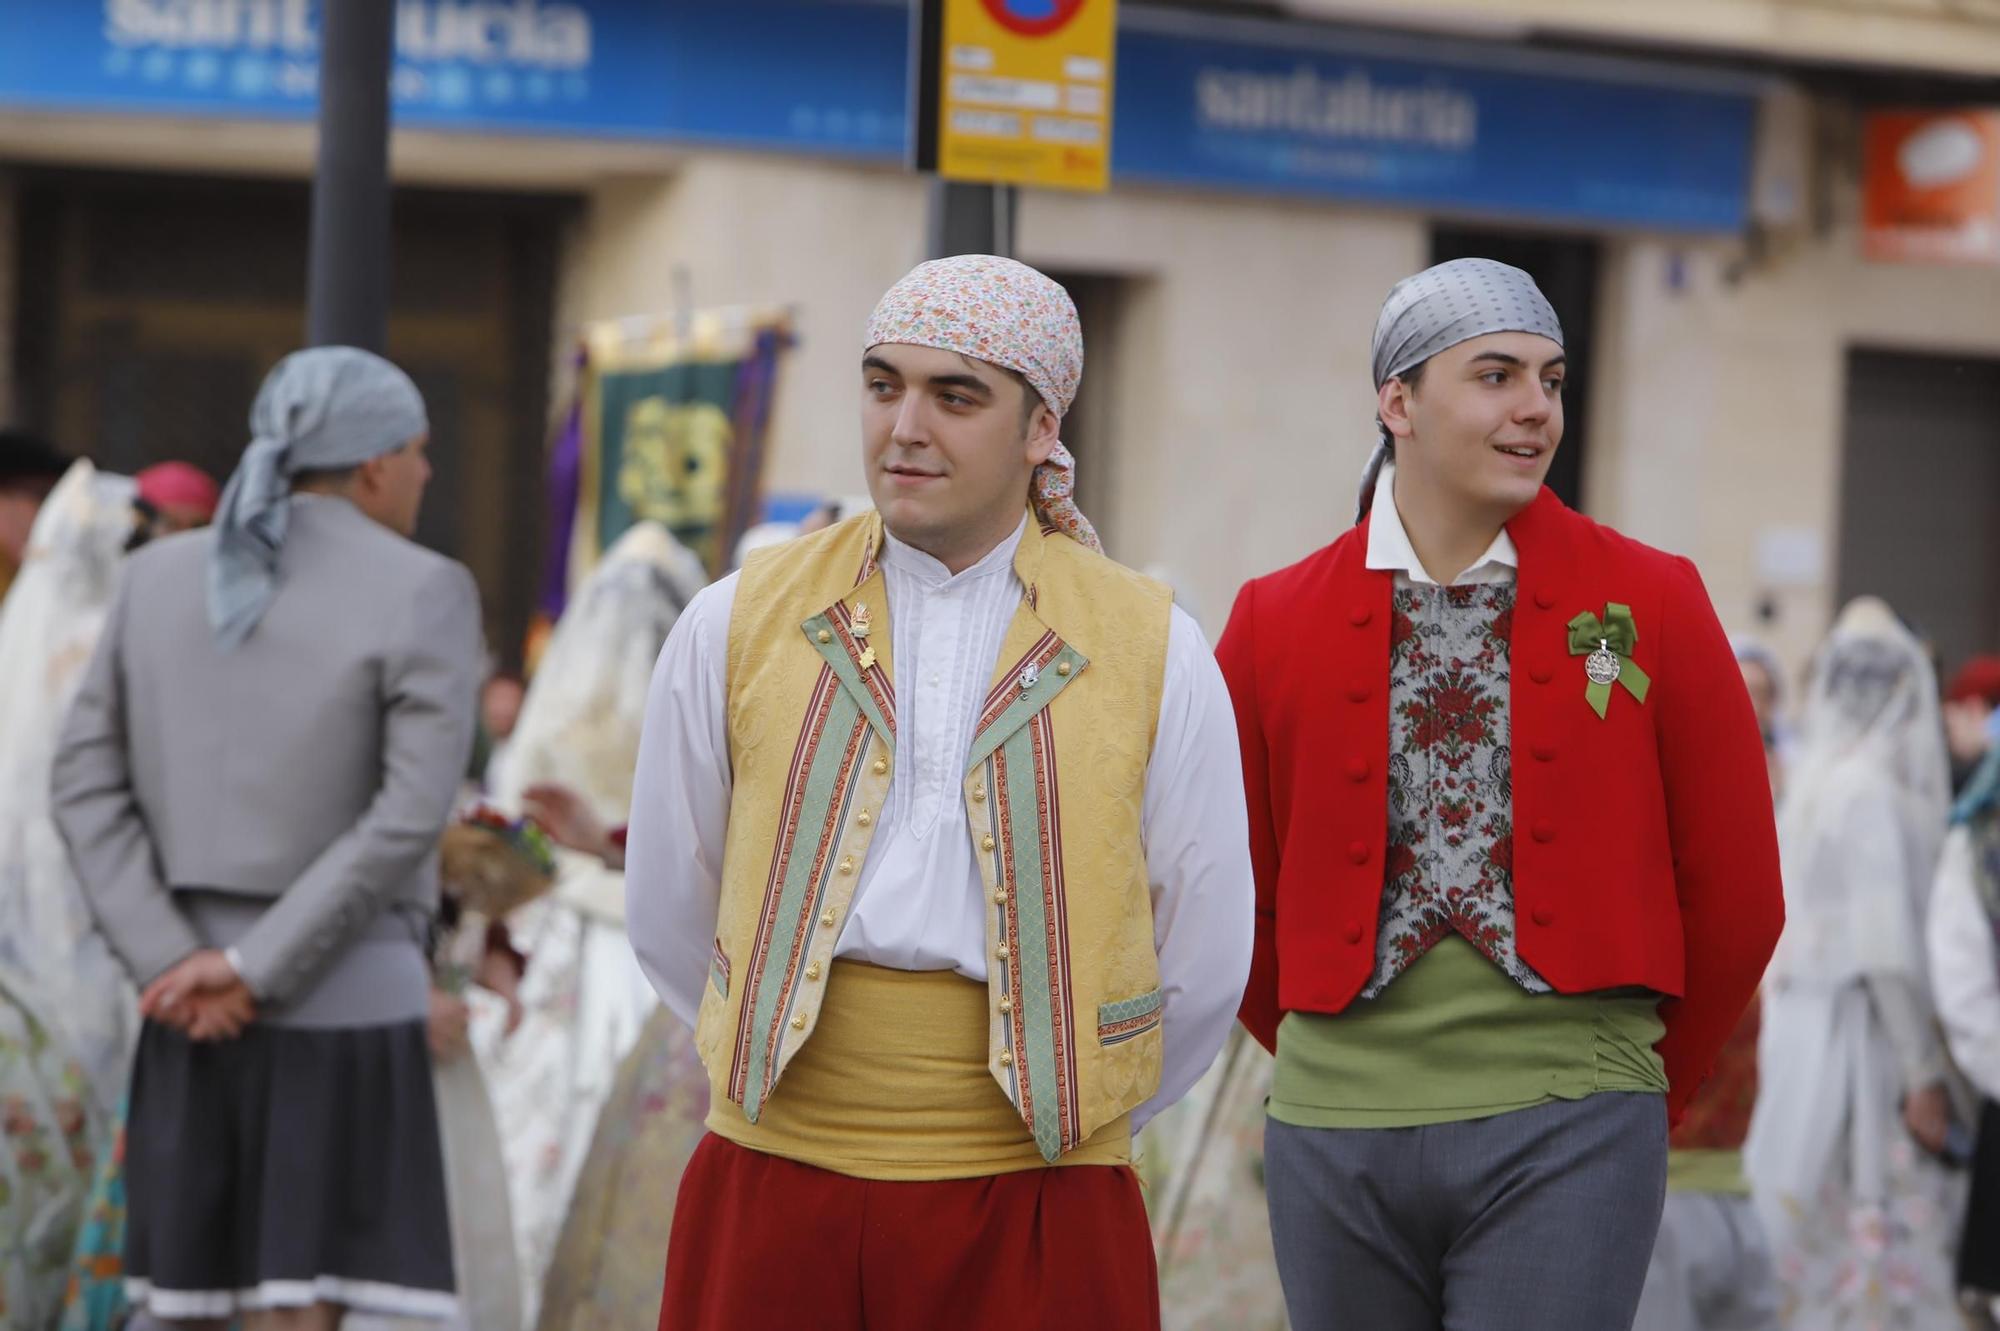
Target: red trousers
<point>759,1242</point>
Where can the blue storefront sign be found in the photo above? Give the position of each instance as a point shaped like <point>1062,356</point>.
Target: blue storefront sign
<point>1614,146</point>
<point>1199,102</point>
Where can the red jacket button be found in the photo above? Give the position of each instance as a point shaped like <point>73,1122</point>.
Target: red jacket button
<point>1545,598</point>
<point>1359,693</point>
<point>1545,832</point>
<point>1353,932</point>
<point>1545,753</point>
<point>1544,916</point>
<point>1357,769</point>
<point>1359,616</point>
<point>1358,852</point>
<point>1541,674</point>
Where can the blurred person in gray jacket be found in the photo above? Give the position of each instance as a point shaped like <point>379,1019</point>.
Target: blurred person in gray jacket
<point>251,784</point>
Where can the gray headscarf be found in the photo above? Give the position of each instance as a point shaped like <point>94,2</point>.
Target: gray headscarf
<point>319,410</point>
<point>1439,308</point>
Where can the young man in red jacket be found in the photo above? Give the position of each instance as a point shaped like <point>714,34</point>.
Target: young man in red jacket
<point>1516,869</point>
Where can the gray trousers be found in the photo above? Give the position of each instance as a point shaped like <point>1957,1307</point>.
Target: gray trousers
<point>1538,1220</point>
<point>1711,1268</point>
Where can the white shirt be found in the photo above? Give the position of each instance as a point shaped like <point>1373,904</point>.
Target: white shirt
<point>918,903</point>
<point>1389,544</point>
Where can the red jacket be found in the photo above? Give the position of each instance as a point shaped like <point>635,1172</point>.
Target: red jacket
<point>1645,850</point>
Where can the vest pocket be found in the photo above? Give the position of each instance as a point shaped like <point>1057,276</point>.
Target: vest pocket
<point>1128,1018</point>
<point>1128,1051</point>
<point>714,1022</point>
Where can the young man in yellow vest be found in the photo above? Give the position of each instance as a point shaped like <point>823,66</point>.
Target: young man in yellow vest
<point>938,840</point>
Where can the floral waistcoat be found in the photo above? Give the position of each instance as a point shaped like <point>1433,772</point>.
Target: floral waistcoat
<point>1450,862</point>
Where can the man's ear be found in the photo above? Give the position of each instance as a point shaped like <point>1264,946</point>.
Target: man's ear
<point>368,476</point>
<point>1044,433</point>
<point>1392,406</point>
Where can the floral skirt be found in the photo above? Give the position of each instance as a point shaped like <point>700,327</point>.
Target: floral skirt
<point>45,1164</point>
<point>610,1261</point>
<point>1848,1265</point>
<point>95,1297</point>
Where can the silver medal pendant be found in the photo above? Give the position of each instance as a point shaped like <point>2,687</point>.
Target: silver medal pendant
<point>1029,677</point>
<point>1602,665</point>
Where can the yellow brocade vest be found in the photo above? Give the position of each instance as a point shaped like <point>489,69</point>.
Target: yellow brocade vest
<point>1053,787</point>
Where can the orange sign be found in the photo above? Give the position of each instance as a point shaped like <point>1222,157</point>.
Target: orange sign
<point>1931,186</point>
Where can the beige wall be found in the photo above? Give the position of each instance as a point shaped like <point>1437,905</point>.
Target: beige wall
<point>825,238</point>
<point>1723,413</point>
<point>1955,36</point>
<point>1235,412</point>
<point>1240,412</point>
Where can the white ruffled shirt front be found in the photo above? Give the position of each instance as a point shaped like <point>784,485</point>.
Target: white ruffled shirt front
<point>918,902</point>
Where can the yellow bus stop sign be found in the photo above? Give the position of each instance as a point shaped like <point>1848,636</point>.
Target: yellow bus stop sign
<point>1024,92</point>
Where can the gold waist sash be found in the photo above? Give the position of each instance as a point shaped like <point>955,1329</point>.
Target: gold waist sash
<point>893,1084</point>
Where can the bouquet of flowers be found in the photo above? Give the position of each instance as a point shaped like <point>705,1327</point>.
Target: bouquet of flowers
<point>491,865</point>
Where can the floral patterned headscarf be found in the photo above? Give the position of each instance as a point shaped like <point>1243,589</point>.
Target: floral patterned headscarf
<point>1007,314</point>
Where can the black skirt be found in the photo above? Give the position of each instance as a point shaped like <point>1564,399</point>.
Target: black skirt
<point>286,1168</point>
<point>1979,1244</point>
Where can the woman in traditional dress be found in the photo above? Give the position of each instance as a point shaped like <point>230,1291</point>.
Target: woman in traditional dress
<point>584,996</point>
<point>1854,1110</point>
<point>48,626</point>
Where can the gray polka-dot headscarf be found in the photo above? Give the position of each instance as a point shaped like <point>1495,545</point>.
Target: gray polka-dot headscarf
<point>1442,307</point>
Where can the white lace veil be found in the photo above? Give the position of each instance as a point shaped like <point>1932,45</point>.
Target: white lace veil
<point>1866,807</point>
<point>52,614</point>
<point>579,724</point>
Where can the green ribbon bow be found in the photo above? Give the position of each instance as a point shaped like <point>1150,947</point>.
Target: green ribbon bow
<point>1617,633</point>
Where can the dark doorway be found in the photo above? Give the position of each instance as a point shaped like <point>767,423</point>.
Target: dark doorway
<point>1920,495</point>
<point>1086,429</point>
<point>1566,269</point>
<point>151,307</point>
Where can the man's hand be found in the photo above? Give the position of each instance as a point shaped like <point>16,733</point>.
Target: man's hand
<point>203,972</point>
<point>220,1014</point>
<point>448,1020</point>
<point>570,821</point>
<point>1927,1113</point>
<point>500,972</point>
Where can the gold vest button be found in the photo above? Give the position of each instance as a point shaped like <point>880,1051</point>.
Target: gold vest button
<point>979,794</point>
<point>1001,952</point>
<point>812,971</point>
<point>827,919</point>
<point>847,865</point>
<point>799,1022</point>
<point>1006,1005</point>
<point>999,898</point>
<point>1006,1059</point>
<point>881,766</point>
<point>864,818</point>
<point>1063,669</point>
<point>825,636</point>
<point>986,843</point>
